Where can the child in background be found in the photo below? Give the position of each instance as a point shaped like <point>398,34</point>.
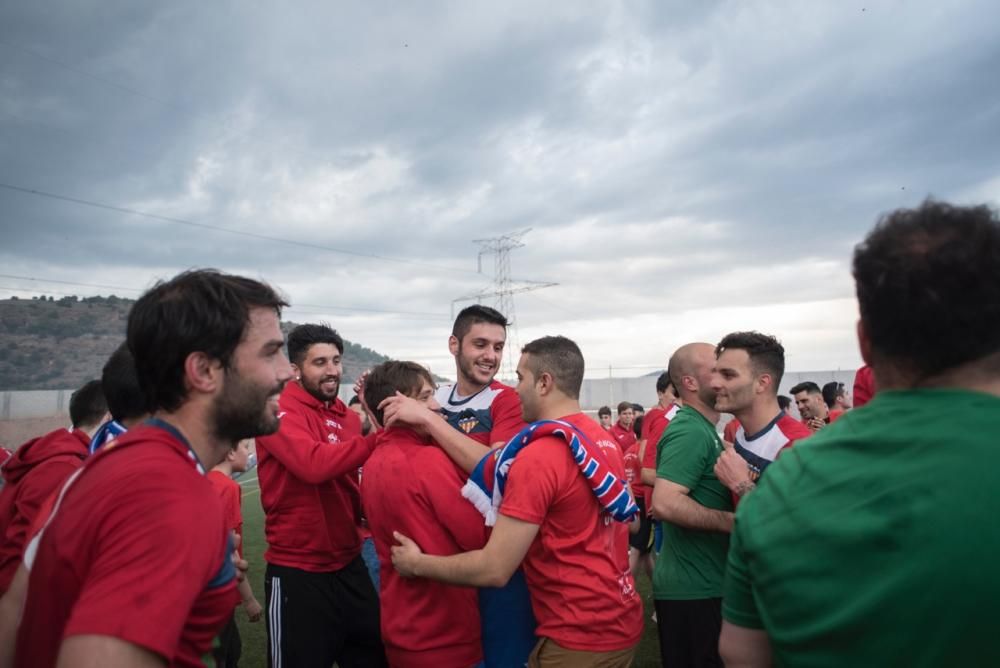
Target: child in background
<point>230,646</point>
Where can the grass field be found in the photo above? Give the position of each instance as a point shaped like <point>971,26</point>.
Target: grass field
<point>254,637</point>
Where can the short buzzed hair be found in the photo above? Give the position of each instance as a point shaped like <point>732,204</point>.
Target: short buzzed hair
<point>766,353</point>
<point>560,358</point>
<point>473,315</point>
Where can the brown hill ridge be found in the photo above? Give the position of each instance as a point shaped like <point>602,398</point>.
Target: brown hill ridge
<point>50,344</point>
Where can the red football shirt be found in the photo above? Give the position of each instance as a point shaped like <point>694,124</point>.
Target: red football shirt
<point>411,486</point>
<point>633,470</point>
<point>582,592</point>
<point>624,436</point>
<point>864,386</point>
<point>231,495</point>
<point>655,433</point>
<point>135,549</point>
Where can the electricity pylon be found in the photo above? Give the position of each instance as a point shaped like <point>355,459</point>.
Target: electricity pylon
<point>503,290</point>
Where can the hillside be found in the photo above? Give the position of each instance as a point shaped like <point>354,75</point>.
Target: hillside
<point>49,344</point>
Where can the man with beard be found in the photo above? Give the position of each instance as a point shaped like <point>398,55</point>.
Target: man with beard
<point>696,513</point>
<point>814,411</point>
<point>133,565</point>
<point>480,414</point>
<point>321,605</point>
<point>748,370</point>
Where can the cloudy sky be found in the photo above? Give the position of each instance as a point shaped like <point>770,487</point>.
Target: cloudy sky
<point>685,169</point>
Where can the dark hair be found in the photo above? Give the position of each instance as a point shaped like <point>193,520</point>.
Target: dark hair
<point>87,405</point>
<point>663,383</point>
<point>201,310</point>
<point>831,391</point>
<point>624,406</point>
<point>304,337</point>
<point>637,426</point>
<point>390,377</point>
<point>559,357</point>
<point>354,400</point>
<point>806,386</point>
<point>766,353</point>
<point>473,315</point>
<point>928,288</point>
<point>604,410</point>
<point>637,408</point>
<point>121,386</point>
<point>784,403</point>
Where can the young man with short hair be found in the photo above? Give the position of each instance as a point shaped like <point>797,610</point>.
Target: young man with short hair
<point>604,416</point>
<point>907,481</point>
<point>411,486</point>
<point>621,430</point>
<point>321,604</point>
<point>133,565</point>
<point>573,551</point>
<point>748,370</point>
<point>836,399</point>
<point>40,467</point>
<point>230,646</point>
<point>814,411</point>
<point>480,414</point>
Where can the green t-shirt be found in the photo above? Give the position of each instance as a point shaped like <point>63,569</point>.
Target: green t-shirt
<point>876,541</point>
<point>691,563</point>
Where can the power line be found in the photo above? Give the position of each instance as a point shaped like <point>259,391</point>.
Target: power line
<point>293,307</point>
<point>227,230</point>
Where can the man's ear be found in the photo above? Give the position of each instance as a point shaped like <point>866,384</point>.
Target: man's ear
<point>202,373</point>
<point>453,345</point>
<point>545,383</point>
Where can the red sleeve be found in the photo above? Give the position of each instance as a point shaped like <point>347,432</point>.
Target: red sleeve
<point>311,460</point>
<point>155,554</point>
<point>653,442</point>
<point>41,483</point>
<point>729,433</point>
<point>532,483</point>
<point>864,386</point>
<point>507,421</point>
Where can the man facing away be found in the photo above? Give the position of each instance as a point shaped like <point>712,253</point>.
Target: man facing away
<point>133,566</point>
<point>748,370</point>
<point>126,402</point>
<point>321,605</point>
<point>411,486</point>
<point>906,481</point>
<point>574,553</point>
<point>40,467</point>
<point>695,511</point>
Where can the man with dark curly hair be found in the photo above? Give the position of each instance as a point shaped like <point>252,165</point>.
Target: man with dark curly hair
<point>874,542</point>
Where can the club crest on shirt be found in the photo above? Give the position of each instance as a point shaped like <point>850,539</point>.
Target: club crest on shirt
<point>627,584</point>
<point>332,438</point>
<point>333,423</point>
<point>467,424</point>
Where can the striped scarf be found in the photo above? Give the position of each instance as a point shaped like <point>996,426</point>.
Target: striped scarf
<point>485,486</point>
